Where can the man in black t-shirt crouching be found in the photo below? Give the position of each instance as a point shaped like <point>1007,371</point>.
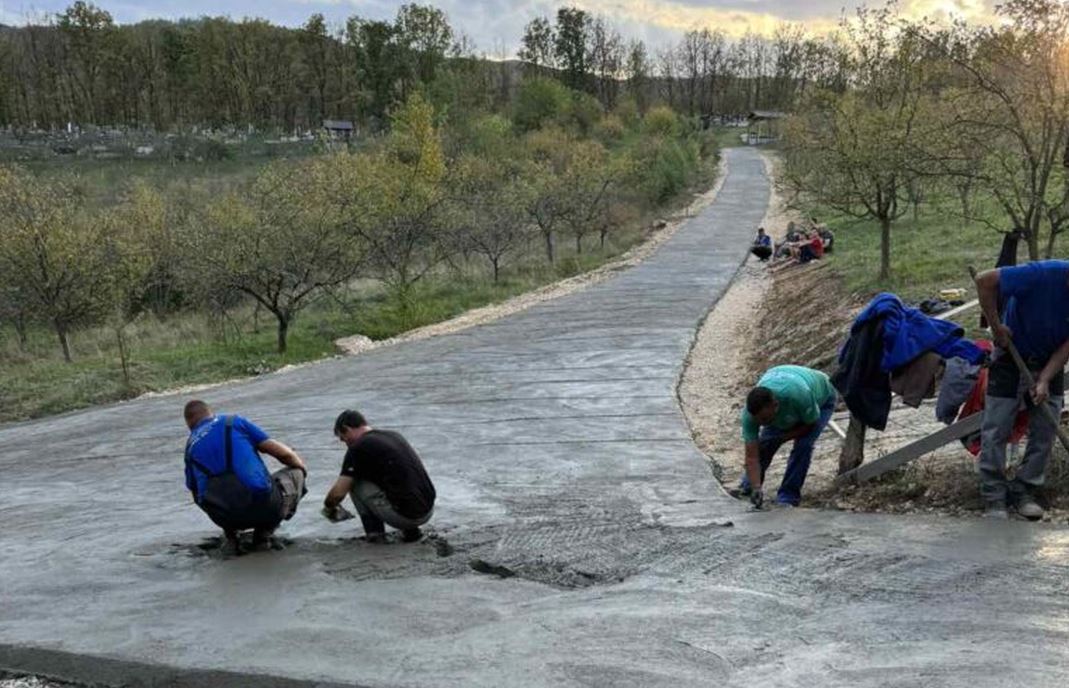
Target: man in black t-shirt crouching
<point>385,478</point>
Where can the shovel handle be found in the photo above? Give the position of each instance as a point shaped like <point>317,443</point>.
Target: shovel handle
<point>1022,367</point>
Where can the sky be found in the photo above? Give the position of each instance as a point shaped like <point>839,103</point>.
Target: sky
<point>495,26</point>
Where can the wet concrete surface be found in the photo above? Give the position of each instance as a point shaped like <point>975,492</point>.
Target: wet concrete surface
<point>579,537</point>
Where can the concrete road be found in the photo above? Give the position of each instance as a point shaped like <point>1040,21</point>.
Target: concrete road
<point>580,538</point>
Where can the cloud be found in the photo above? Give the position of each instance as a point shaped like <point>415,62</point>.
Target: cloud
<point>497,25</point>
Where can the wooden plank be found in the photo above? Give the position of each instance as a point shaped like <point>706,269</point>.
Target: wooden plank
<point>954,311</point>
<point>913,450</point>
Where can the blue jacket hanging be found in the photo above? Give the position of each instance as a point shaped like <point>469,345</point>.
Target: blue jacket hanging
<point>908,333</point>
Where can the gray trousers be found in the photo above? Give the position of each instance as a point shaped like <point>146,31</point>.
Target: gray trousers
<point>999,416</point>
<point>289,485</point>
<point>375,509</point>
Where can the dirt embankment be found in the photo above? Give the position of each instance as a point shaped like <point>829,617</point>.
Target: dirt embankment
<point>801,315</point>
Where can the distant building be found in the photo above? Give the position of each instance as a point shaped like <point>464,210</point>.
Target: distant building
<point>339,129</point>
<point>763,126</point>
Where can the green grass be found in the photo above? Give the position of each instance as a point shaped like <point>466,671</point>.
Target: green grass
<point>728,137</point>
<point>929,253</point>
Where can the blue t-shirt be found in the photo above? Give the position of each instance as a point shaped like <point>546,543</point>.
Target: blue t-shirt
<point>1037,306</point>
<point>765,240</point>
<point>207,446</point>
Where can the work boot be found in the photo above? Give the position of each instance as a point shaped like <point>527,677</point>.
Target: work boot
<point>263,540</point>
<point>995,508</point>
<point>411,534</point>
<point>231,545</point>
<point>1028,507</point>
<point>376,538</point>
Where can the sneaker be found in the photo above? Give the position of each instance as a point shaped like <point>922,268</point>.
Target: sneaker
<point>995,508</point>
<point>1029,508</point>
<point>411,534</point>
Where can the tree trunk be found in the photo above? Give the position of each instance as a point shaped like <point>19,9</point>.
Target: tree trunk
<point>124,359</point>
<point>64,341</point>
<point>578,244</point>
<point>853,452</point>
<point>21,331</point>
<point>1032,238</point>
<point>283,332</point>
<point>497,269</point>
<point>1050,243</point>
<point>885,248</point>
<point>601,238</point>
<point>548,236</point>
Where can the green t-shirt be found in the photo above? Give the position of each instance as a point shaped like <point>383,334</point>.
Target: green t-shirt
<point>800,392</point>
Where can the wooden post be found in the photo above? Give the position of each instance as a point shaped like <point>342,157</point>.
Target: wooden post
<point>853,452</point>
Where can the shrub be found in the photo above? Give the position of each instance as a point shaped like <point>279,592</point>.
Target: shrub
<point>661,121</point>
<point>585,112</point>
<point>609,129</point>
<point>540,100</point>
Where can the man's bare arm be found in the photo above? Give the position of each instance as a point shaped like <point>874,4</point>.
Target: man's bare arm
<point>284,454</point>
<point>338,491</point>
<point>987,291</point>
<point>753,465</point>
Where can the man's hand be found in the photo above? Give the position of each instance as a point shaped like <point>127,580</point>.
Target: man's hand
<point>757,497</point>
<point>1002,334</point>
<point>1041,392</point>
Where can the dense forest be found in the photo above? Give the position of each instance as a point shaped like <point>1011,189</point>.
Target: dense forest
<point>80,67</point>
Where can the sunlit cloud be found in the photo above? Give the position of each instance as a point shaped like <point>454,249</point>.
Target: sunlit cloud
<point>497,25</point>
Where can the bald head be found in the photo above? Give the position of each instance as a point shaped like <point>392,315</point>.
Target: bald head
<point>196,411</point>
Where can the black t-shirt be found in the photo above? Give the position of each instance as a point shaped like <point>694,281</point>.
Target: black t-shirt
<point>384,457</point>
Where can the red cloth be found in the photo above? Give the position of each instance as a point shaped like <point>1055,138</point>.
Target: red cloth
<point>975,404</point>
<point>817,244</point>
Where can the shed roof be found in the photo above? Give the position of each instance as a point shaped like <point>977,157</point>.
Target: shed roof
<point>767,114</point>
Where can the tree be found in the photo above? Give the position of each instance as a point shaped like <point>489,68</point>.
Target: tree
<point>606,49</point>
<point>544,190</point>
<point>56,251</point>
<point>425,35</point>
<point>1014,108</point>
<point>378,63</point>
<point>281,242</point>
<point>136,231</point>
<point>540,100</point>
<point>586,187</point>
<point>315,48</point>
<point>537,49</point>
<point>637,72</point>
<point>571,47</point>
<point>491,219</point>
<point>854,152</point>
<point>396,205</point>
<point>87,30</point>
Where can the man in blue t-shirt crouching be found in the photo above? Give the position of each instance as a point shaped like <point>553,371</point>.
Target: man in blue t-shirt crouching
<point>228,479</point>
<point>1035,300</point>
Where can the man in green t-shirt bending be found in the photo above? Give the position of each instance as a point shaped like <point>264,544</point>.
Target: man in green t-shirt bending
<point>788,403</point>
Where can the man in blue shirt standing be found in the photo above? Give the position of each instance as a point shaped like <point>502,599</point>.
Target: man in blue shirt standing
<point>228,479</point>
<point>1036,319</point>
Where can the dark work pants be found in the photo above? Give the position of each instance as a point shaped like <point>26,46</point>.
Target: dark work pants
<point>769,442</point>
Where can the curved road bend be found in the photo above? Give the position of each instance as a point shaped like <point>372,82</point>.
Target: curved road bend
<point>581,539</point>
